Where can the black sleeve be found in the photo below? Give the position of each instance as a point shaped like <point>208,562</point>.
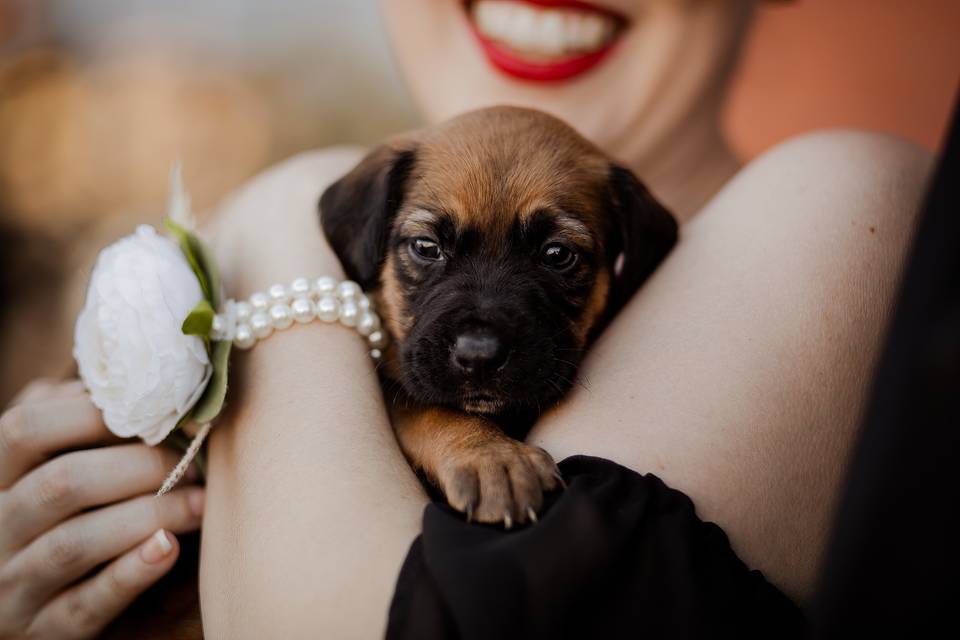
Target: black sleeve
<point>616,554</point>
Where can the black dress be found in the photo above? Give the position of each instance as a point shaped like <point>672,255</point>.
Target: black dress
<point>615,555</point>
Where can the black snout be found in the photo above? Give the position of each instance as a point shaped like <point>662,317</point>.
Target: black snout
<point>479,353</point>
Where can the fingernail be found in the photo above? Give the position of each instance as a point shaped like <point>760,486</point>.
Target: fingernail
<point>196,499</point>
<point>156,548</point>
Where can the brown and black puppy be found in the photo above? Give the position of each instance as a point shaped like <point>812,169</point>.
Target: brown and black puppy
<point>497,244</point>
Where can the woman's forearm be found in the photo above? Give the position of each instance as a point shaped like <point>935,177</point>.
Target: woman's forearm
<point>311,506</point>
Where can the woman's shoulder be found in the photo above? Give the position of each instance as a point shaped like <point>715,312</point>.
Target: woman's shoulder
<point>836,181</point>
<point>838,155</point>
<point>299,179</point>
<point>316,167</point>
<point>824,170</point>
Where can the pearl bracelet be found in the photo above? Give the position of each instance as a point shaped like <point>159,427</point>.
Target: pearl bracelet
<point>302,301</point>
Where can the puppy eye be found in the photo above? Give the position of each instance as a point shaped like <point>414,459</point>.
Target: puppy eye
<point>426,249</point>
<point>558,257</point>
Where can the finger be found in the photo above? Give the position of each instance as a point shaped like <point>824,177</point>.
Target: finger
<point>30,432</point>
<point>84,610</point>
<point>70,550</point>
<point>76,481</point>
<point>46,388</point>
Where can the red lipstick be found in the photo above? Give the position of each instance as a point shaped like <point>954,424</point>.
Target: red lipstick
<point>513,64</point>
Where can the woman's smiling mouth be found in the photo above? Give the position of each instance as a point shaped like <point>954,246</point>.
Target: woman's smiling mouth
<point>544,40</point>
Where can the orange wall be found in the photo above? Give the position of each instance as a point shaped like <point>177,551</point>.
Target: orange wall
<point>887,65</point>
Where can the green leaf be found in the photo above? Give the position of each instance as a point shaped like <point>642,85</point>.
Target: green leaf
<point>209,265</point>
<point>189,245</point>
<point>210,403</point>
<point>199,321</point>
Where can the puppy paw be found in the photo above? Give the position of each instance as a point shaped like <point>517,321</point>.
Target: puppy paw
<point>501,481</point>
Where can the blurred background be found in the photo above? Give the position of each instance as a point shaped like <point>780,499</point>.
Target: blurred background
<point>99,97</point>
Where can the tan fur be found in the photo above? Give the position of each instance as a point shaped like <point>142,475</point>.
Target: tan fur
<point>595,307</point>
<point>478,169</point>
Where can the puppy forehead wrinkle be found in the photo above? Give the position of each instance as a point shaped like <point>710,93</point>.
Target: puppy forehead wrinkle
<point>574,228</point>
<point>420,216</point>
<point>418,221</point>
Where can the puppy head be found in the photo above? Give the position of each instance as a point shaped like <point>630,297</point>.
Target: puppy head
<point>500,242</point>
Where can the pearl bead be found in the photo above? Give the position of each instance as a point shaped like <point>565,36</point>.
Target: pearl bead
<point>376,354</point>
<point>300,287</point>
<point>377,339</point>
<point>259,301</point>
<point>244,339</point>
<point>324,284</point>
<point>243,311</point>
<point>303,310</point>
<point>282,305</point>
<point>219,328</point>
<point>328,309</point>
<point>349,314</point>
<point>260,324</point>
<point>368,323</point>
<point>281,316</point>
<point>278,293</point>
<point>348,289</point>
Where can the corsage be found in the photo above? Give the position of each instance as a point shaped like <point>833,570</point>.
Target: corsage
<point>153,339</point>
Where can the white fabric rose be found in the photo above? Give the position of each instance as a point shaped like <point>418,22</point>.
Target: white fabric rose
<point>140,369</point>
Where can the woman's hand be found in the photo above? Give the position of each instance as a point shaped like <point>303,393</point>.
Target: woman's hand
<point>73,500</point>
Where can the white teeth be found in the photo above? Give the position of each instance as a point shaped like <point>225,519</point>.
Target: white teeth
<point>542,31</point>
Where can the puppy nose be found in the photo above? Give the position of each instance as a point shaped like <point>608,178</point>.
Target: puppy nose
<point>479,352</point>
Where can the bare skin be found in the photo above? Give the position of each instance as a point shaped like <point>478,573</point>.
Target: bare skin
<point>742,365</point>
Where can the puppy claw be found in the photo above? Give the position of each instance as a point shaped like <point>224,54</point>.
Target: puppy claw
<point>559,478</point>
<point>497,482</point>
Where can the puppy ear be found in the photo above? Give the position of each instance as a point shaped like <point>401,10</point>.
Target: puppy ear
<point>356,210</point>
<point>643,234</point>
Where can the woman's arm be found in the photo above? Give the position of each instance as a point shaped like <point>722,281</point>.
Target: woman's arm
<point>751,349</point>
<point>311,506</point>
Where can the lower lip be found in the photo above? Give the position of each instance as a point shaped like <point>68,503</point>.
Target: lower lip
<point>507,61</point>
